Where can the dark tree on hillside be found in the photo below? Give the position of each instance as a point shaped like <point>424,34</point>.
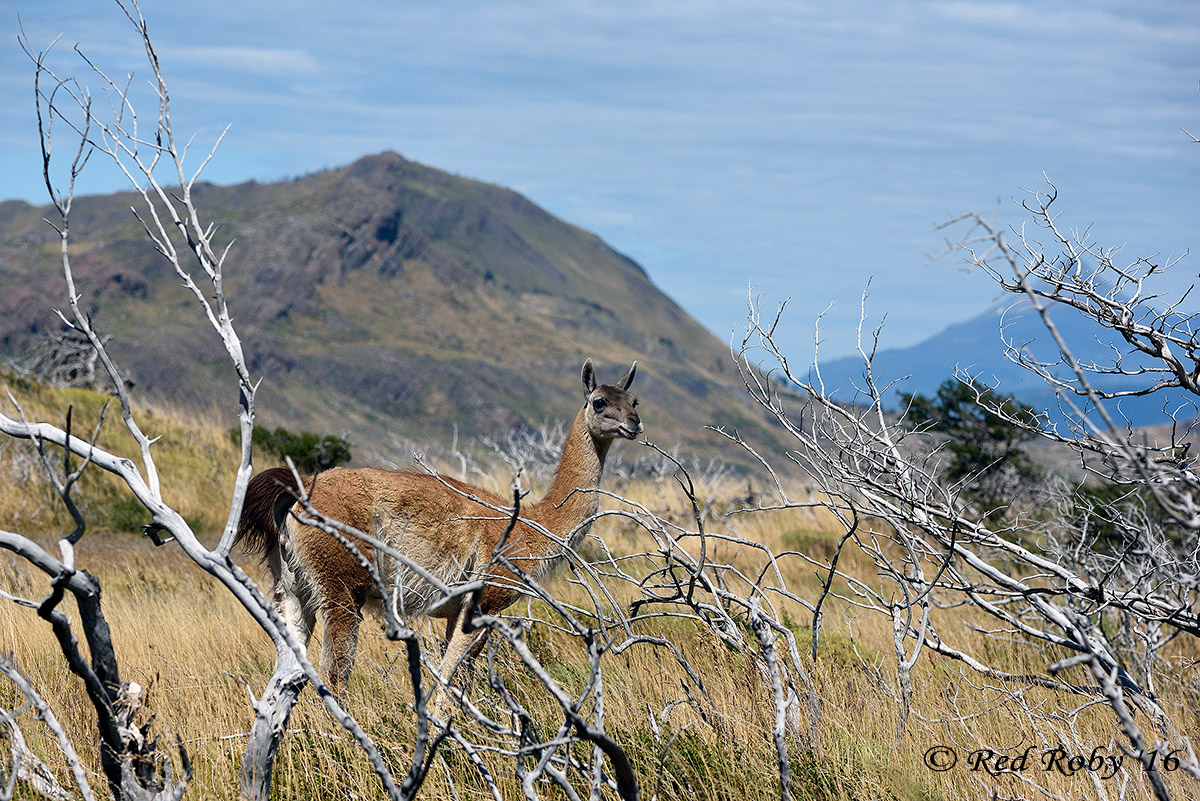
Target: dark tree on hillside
<point>985,449</point>
<point>311,453</point>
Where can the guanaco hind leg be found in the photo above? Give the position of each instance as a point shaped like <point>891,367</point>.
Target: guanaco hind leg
<point>339,642</point>
<point>293,595</point>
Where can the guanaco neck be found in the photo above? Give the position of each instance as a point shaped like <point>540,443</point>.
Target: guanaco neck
<point>572,497</point>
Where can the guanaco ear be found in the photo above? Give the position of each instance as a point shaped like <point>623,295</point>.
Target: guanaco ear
<point>589,377</point>
<point>627,379</point>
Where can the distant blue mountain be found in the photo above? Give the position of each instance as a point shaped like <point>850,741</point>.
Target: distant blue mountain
<point>976,348</point>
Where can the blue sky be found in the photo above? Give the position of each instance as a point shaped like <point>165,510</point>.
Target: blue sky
<point>805,148</point>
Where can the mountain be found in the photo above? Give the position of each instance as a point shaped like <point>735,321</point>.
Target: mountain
<point>975,347</point>
<point>384,301</point>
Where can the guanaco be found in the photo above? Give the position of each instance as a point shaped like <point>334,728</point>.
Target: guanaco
<point>433,521</point>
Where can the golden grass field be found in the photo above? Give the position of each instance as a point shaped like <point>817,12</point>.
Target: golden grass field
<point>180,634</point>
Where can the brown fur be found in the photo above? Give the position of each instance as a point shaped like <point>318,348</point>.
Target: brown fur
<point>431,520</point>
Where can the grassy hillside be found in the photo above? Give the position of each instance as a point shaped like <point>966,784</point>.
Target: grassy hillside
<point>194,455</point>
<point>384,301</point>
<point>181,635</point>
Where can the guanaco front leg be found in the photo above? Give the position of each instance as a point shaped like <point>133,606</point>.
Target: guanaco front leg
<point>460,647</point>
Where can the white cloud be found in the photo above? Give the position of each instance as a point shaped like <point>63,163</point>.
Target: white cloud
<point>269,62</point>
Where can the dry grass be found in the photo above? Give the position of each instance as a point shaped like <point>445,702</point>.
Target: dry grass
<point>194,457</point>
<point>176,631</point>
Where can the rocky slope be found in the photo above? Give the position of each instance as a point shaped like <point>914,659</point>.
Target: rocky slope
<point>385,301</point>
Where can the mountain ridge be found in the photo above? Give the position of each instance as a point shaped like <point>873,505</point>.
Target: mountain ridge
<point>975,347</point>
<point>384,299</point>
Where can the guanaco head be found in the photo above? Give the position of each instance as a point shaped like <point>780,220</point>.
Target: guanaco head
<point>610,411</point>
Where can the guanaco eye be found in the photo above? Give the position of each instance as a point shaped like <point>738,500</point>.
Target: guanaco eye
<point>635,403</point>
<point>599,404</point>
